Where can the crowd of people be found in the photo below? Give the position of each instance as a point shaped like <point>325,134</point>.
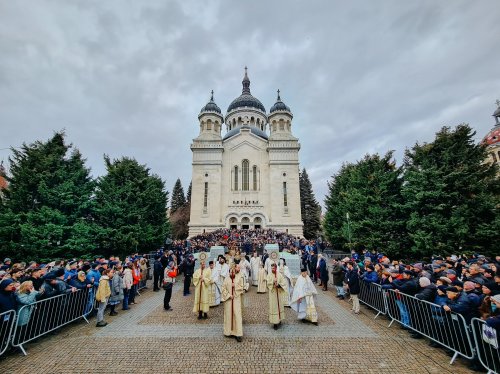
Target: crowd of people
<point>110,282</point>
<point>467,286</point>
<point>247,241</point>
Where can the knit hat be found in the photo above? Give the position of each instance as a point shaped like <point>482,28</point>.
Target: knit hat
<point>4,283</point>
<point>452,289</point>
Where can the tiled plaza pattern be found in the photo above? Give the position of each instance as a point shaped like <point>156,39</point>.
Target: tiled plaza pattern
<point>148,339</point>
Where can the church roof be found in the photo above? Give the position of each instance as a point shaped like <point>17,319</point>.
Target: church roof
<point>211,106</point>
<point>279,105</point>
<point>246,99</point>
<point>493,137</point>
<point>253,130</point>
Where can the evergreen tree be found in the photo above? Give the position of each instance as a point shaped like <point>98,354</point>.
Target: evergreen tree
<point>178,198</point>
<point>188,195</point>
<point>364,206</point>
<point>309,207</point>
<point>130,208</point>
<point>452,196</point>
<point>48,210</point>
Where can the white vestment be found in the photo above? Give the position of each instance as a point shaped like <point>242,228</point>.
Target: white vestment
<point>289,290</point>
<point>216,285</point>
<point>303,299</point>
<point>255,265</point>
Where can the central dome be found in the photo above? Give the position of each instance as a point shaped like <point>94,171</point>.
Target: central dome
<point>246,99</point>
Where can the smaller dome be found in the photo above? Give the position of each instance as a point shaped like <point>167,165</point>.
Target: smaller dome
<point>211,106</point>
<point>279,105</point>
<point>493,137</point>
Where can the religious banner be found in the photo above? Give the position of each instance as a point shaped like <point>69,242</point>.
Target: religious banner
<point>215,251</point>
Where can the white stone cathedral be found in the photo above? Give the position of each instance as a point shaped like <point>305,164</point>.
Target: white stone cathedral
<point>245,179</point>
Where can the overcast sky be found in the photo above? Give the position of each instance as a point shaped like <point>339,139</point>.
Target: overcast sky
<point>128,78</point>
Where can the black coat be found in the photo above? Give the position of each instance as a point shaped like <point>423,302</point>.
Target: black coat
<point>427,293</point>
<point>406,286</point>
<point>352,280</point>
<point>157,268</point>
<point>189,267</point>
<point>323,270</point>
<point>338,275</point>
<point>8,301</point>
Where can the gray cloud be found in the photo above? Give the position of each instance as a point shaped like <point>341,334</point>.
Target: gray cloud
<point>129,78</point>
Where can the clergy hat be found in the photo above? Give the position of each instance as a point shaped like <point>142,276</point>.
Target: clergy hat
<point>303,270</point>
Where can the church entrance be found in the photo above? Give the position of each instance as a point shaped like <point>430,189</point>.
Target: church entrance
<point>245,227</point>
<point>233,227</point>
<point>257,227</point>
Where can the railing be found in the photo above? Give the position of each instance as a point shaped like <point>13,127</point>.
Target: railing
<point>7,323</point>
<point>373,295</point>
<point>449,329</point>
<point>487,341</point>
<point>45,316</point>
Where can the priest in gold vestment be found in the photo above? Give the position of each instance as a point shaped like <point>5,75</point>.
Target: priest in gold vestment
<point>202,282</point>
<point>276,284</point>
<point>232,290</point>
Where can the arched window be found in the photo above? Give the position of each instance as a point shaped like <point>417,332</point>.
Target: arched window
<point>254,172</point>
<point>245,178</point>
<point>236,178</point>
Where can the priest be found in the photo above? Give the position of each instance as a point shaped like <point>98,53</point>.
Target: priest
<point>276,285</point>
<point>232,289</point>
<point>262,279</point>
<point>215,284</point>
<point>255,266</point>
<point>285,271</point>
<point>202,282</point>
<point>302,300</point>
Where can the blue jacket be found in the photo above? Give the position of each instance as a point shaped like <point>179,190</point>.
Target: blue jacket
<point>370,277</point>
<point>93,273</point>
<point>462,305</point>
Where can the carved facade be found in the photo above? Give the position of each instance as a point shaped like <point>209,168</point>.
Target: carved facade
<point>249,177</point>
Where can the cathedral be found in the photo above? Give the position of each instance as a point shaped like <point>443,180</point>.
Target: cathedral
<point>247,177</point>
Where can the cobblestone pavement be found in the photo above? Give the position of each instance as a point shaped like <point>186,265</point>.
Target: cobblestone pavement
<point>151,339</point>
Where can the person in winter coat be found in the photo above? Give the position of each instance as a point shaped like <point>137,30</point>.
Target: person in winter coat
<point>79,281</point>
<point>338,278</point>
<point>8,299</point>
<point>116,296</point>
<point>102,296</point>
<point>26,295</point>
<point>157,274</point>
<point>128,282</point>
<point>370,276</point>
<point>323,272</point>
<point>352,280</point>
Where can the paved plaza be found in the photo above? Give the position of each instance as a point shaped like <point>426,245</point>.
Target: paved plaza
<point>148,339</point>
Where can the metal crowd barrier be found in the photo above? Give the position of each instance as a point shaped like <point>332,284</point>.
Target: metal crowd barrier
<point>373,295</point>
<point>45,316</point>
<point>446,328</point>
<point>7,322</point>
<point>487,341</point>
